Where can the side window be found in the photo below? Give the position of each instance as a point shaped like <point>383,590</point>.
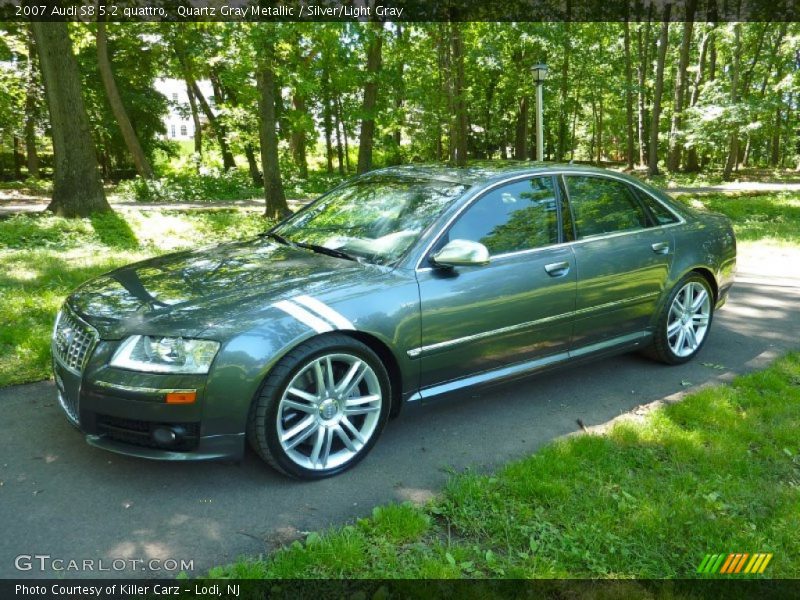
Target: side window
<point>601,206</point>
<point>518,216</point>
<point>660,213</point>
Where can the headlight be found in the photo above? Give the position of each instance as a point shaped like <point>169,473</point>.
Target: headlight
<point>165,355</point>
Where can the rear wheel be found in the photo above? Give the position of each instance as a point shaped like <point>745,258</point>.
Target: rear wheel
<point>684,321</point>
<point>321,408</point>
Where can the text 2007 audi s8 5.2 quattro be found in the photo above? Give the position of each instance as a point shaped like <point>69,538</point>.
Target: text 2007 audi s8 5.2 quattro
<point>400,285</point>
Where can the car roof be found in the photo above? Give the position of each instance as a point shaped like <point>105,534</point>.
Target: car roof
<point>482,173</point>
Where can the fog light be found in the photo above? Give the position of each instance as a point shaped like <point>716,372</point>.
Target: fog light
<point>162,435</point>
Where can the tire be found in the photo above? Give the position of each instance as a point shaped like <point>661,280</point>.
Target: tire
<point>321,408</point>
<point>673,342</point>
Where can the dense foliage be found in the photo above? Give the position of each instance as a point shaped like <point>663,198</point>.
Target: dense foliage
<point>351,96</point>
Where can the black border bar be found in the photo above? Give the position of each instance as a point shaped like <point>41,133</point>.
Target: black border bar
<point>399,10</point>
<point>244,589</point>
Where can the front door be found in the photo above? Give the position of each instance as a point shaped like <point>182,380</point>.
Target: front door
<point>515,309</point>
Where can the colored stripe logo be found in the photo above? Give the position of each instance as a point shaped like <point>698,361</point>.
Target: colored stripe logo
<point>734,563</point>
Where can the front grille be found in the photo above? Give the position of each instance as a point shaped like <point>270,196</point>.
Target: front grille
<point>73,341</point>
<point>139,433</point>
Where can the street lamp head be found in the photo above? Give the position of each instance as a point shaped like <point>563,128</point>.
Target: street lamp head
<point>539,73</point>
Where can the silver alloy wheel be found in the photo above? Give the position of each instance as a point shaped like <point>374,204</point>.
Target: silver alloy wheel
<point>688,319</point>
<point>329,411</point>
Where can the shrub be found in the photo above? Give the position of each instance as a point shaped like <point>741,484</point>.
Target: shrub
<point>213,185</point>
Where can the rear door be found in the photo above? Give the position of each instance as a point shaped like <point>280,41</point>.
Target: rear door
<point>622,257</point>
<point>518,307</point>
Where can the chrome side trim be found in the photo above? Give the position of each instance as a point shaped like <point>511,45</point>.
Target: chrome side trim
<point>633,300</point>
<point>525,367</point>
<point>416,352</point>
<point>138,389</point>
<point>607,344</point>
<point>488,376</point>
<point>550,173</point>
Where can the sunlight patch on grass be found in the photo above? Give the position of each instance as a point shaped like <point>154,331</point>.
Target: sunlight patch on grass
<point>760,218</point>
<point>43,258</point>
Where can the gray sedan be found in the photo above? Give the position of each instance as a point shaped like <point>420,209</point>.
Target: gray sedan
<point>398,286</point>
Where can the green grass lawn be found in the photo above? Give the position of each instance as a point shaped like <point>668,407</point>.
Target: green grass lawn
<point>43,258</point>
<point>718,472</point>
<point>756,217</point>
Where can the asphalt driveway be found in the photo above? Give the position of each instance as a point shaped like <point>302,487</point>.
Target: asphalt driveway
<point>62,498</point>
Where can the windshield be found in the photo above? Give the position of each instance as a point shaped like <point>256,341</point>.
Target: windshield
<point>375,219</point>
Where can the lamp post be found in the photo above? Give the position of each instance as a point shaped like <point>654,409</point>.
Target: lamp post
<point>539,75</point>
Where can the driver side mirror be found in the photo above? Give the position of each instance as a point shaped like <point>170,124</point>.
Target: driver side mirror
<point>461,253</point>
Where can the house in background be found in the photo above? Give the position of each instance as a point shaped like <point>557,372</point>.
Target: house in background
<point>178,122</point>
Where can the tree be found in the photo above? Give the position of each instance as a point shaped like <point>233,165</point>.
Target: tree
<point>31,110</point>
<point>367,136</point>
<point>458,153</point>
<point>733,144</point>
<point>652,163</point>
<point>123,121</point>
<point>675,145</point>
<point>691,155</point>
<point>77,188</point>
<point>628,99</point>
<point>274,196</point>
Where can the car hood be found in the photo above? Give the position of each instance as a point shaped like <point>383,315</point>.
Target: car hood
<point>189,293</point>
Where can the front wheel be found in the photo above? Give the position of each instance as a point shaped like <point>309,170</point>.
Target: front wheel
<point>321,408</point>
<point>684,321</point>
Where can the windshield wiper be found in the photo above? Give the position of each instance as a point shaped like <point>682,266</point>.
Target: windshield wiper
<point>329,251</point>
<point>277,237</point>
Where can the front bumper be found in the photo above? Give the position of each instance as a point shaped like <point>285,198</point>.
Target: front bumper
<point>122,418</point>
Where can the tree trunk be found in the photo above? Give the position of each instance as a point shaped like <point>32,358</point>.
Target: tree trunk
<point>367,135</point>
<point>521,132</point>
<point>733,144</point>
<point>252,165</point>
<point>675,145</point>
<point>198,133</point>
<point>692,164</point>
<point>327,119</point>
<point>339,128</point>
<point>232,97</point>
<point>399,100</point>
<point>643,45</point>
<point>561,148</point>
<point>775,142</point>
<point>298,138</point>
<point>600,130</point>
<point>574,122</point>
<point>628,100</point>
<point>18,158</point>
<point>31,155</point>
<point>140,161</point>
<point>340,117</point>
<point>652,163</point>
<point>460,105</point>
<point>77,188</point>
<point>219,129</point>
<point>276,207</point>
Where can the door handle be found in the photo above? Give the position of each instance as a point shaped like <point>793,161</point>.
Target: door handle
<point>558,269</point>
<point>660,247</point>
